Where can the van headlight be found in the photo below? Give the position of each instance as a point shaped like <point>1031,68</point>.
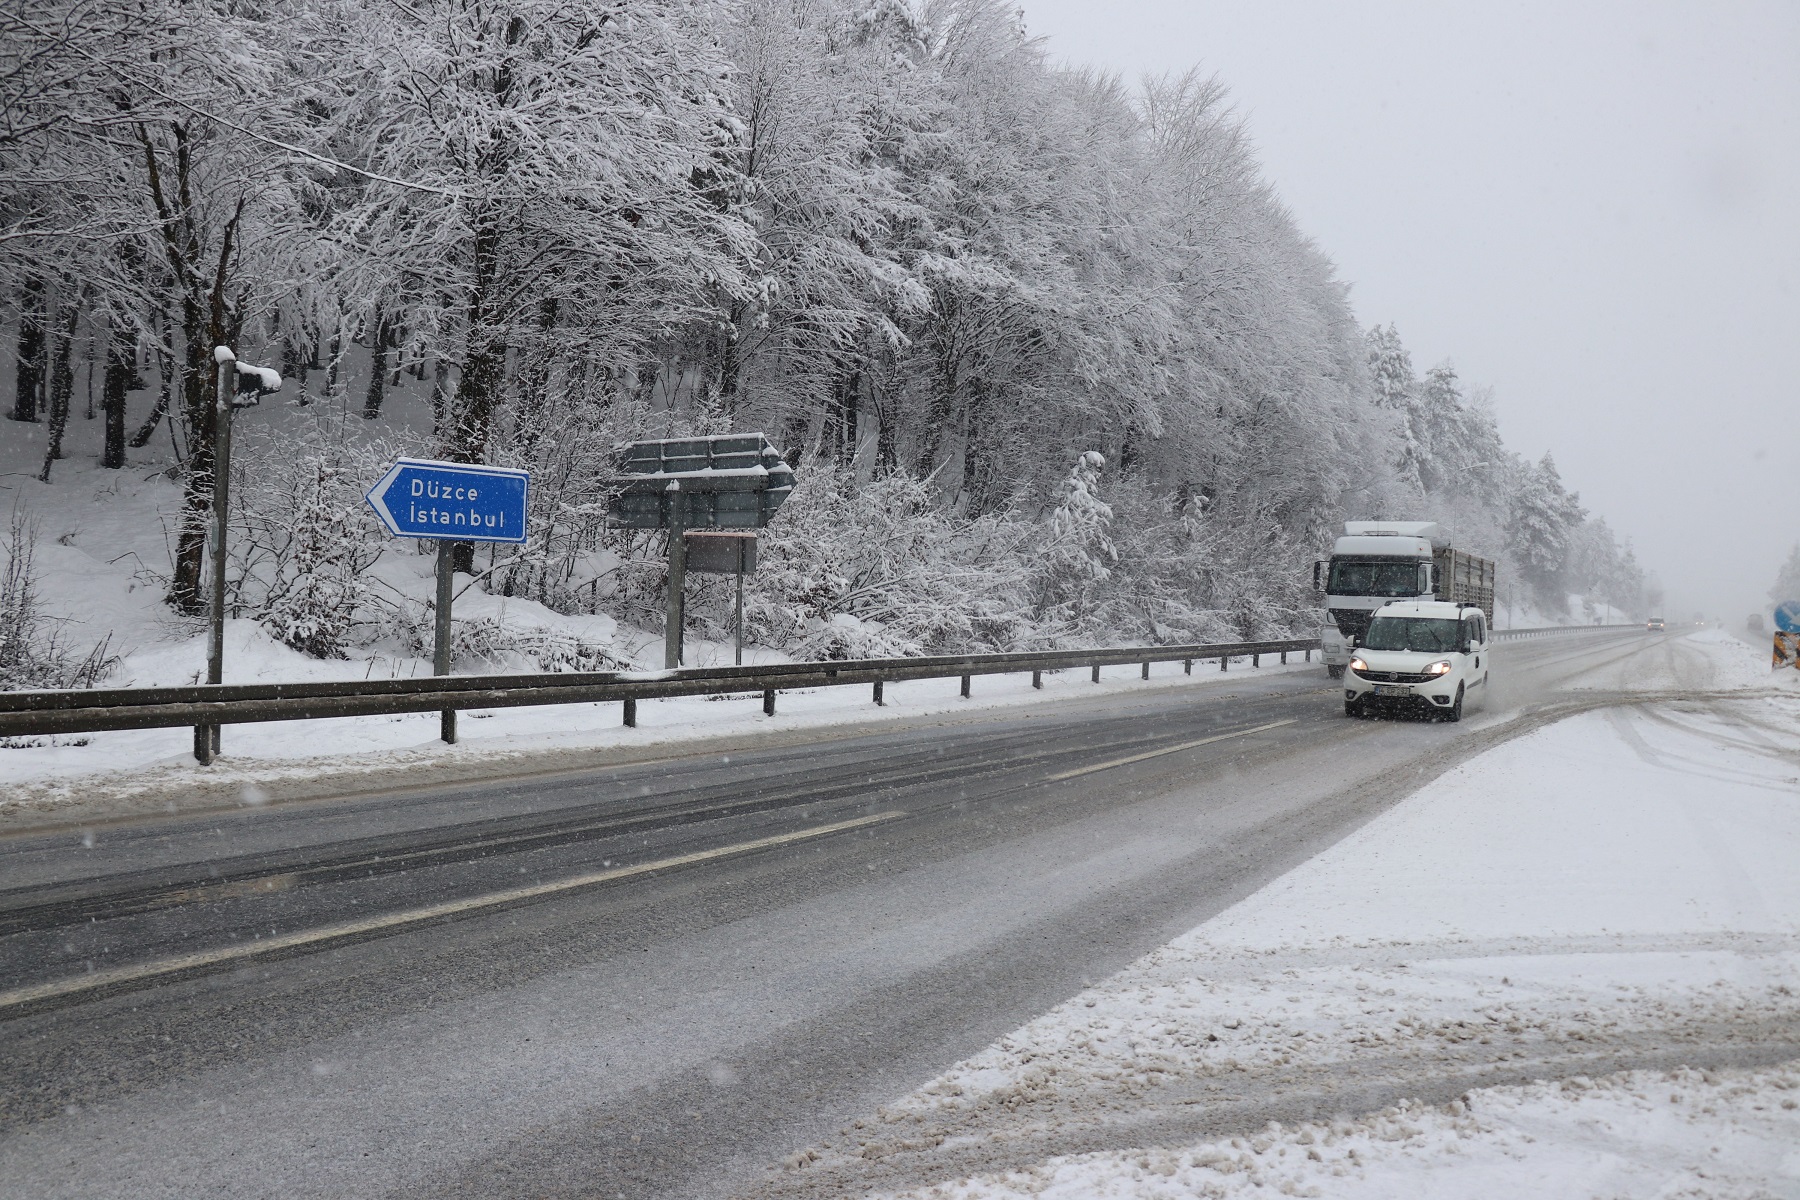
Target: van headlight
<point>1438,668</point>
<point>1358,665</point>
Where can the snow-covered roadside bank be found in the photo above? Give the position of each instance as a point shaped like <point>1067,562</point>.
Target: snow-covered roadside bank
<point>1610,899</point>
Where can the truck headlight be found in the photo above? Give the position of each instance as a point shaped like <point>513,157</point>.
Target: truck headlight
<point>1358,665</point>
<point>1438,668</point>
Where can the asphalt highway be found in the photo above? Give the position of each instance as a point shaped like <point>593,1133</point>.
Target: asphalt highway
<point>659,978</point>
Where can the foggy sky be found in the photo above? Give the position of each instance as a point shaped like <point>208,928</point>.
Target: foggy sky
<point>1594,208</point>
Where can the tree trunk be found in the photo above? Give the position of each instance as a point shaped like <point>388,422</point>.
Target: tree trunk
<point>30,377</point>
<point>186,592</point>
<point>121,356</point>
<point>478,392</point>
<point>378,368</point>
<point>731,361</point>
<point>852,435</point>
<point>974,460</point>
<point>943,404</point>
<point>166,369</point>
<point>295,365</point>
<point>440,398</point>
<point>337,357</point>
<point>534,380</point>
<point>62,382</point>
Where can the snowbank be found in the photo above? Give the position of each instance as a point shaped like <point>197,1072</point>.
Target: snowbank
<point>1642,1133</point>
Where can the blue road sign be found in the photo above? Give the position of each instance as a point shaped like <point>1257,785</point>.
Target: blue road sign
<point>1787,617</point>
<point>453,502</point>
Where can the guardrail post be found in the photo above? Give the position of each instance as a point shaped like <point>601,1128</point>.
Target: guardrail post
<point>1284,658</point>
<point>1224,662</point>
<point>1187,666</point>
<point>1146,673</point>
<point>1308,653</point>
<point>1256,660</point>
<point>631,714</point>
<point>1037,680</point>
<point>768,702</point>
<point>965,687</point>
<point>1096,672</point>
<point>879,702</point>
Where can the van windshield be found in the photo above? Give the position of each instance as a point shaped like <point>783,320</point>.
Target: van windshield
<point>1351,578</point>
<point>1425,635</point>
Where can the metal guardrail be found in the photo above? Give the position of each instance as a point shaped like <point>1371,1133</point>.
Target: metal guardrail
<point>26,713</point>
<point>89,710</point>
<point>1509,635</point>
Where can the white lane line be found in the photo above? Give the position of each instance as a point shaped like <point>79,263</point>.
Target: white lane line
<point>1119,762</point>
<point>433,912</point>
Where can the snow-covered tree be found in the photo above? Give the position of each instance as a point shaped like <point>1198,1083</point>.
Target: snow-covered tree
<point>1544,520</point>
<point>1787,580</point>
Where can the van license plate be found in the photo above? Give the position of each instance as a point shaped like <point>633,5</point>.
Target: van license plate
<point>1388,689</point>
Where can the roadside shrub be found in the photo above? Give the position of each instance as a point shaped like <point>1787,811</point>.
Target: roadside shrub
<point>33,653</point>
<point>303,540</point>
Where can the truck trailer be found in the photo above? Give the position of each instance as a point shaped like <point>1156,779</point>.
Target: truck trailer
<point>1379,562</point>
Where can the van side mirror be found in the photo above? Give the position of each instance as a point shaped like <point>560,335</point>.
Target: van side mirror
<point>1318,574</point>
<point>1424,579</point>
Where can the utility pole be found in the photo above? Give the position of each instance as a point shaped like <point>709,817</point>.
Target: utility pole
<point>231,376</point>
<point>206,737</point>
<point>677,574</point>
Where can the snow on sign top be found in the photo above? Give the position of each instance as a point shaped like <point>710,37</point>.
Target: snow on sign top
<point>454,502</point>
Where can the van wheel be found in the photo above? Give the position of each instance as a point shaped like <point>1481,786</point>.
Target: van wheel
<point>1455,713</point>
<point>1335,672</point>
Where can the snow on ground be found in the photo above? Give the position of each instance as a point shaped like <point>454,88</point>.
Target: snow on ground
<point>1681,1133</point>
<point>1600,904</point>
<point>1709,659</point>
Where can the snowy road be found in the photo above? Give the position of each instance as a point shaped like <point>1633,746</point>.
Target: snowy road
<point>671,1032</point>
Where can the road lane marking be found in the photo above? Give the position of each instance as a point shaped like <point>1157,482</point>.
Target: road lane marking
<point>118,976</point>
<point>1119,762</point>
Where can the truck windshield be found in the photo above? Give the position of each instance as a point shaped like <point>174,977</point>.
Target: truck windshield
<point>1351,578</point>
<point>1426,635</point>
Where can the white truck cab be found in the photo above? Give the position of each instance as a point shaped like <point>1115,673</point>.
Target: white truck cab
<point>1424,655</point>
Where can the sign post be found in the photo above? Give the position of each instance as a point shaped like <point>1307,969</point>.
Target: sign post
<point>235,381</point>
<point>450,502</point>
<point>731,481</point>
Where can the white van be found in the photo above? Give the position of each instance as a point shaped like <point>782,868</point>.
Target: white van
<point>1422,655</point>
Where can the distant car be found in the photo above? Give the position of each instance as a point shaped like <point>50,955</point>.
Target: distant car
<point>1654,624</point>
<point>1419,655</point>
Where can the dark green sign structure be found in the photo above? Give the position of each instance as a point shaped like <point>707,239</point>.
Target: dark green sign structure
<point>731,481</point>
